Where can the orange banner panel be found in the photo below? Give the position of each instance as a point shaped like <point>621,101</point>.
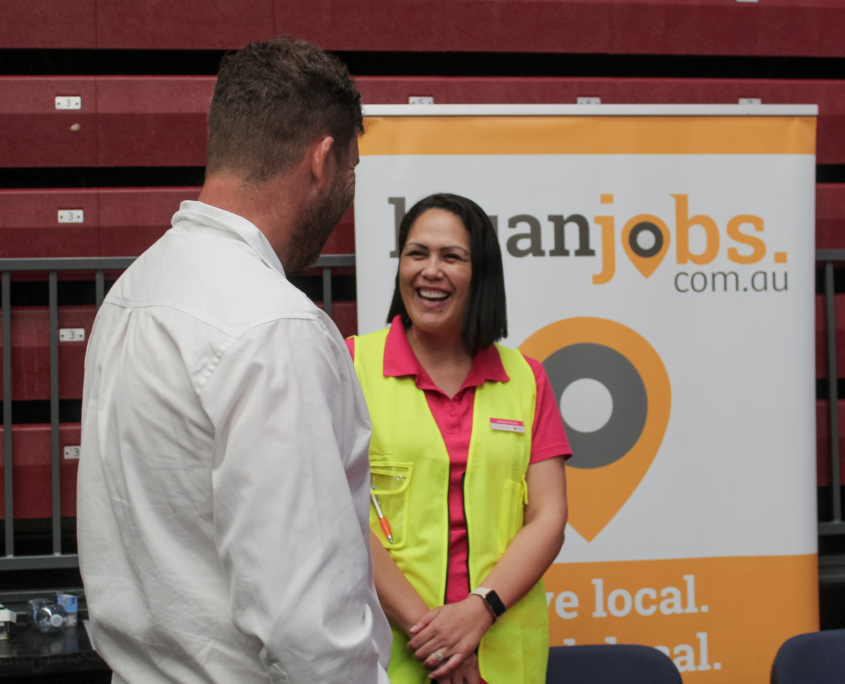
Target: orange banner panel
<point>471,135</point>
<point>721,620</point>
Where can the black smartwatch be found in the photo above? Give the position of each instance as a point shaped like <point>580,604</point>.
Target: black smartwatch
<point>492,601</point>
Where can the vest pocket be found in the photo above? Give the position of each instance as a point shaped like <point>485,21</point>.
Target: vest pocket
<point>512,513</point>
<point>390,483</point>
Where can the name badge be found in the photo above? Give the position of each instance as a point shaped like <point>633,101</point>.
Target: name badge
<point>507,425</point>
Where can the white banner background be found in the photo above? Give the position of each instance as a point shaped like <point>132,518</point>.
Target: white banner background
<point>735,474</point>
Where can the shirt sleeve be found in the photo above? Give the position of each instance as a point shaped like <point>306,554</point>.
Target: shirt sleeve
<point>549,437</point>
<point>350,345</point>
<point>290,483</point>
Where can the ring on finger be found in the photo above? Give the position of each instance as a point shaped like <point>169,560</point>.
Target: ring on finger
<point>439,656</point>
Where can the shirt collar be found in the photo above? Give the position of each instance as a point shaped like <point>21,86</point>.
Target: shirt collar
<point>193,214</point>
<point>400,360</point>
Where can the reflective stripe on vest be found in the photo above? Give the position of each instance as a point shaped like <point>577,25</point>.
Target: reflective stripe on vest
<point>410,470</point>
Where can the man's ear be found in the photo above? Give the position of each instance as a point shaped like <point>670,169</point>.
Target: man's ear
<point>321,159</point>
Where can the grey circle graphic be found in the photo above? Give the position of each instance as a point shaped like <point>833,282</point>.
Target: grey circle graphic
<point>630,402</point>
<point>647,227</point>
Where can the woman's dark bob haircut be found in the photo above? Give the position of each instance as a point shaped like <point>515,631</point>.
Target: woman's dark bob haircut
<point>485,316</point>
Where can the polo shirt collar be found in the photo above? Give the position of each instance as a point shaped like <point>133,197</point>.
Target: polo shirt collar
<point>400,360</point>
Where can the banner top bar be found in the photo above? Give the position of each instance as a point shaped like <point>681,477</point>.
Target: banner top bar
<point>591,110</point>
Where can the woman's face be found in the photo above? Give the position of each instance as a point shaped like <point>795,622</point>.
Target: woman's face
<point>435,272</point>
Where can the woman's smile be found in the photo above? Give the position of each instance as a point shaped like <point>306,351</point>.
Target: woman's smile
<point>432,297</point>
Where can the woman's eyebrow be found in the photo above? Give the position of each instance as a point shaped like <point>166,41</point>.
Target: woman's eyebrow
<point>442,249</point>
<point>463,249</point>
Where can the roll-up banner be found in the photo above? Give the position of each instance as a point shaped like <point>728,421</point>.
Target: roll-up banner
<point>659,262</point>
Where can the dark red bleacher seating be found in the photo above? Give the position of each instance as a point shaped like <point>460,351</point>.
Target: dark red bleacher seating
<point>153,121</point>
<point>32,471</point>
<point>35,133</point>
<point>117,221</point>
<point>132,121</point>
<point>31,352</point>
<point>823,461</point>
<point>161,121</point>
<point>830,216</point>
<point>709,27</point>
<point>184,25</point>
<point>30,228</point>
<point>132,219</point>
<point>48,24</point>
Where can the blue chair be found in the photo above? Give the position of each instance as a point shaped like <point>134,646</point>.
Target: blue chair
<point>610,664</point>
<point>817,657</point>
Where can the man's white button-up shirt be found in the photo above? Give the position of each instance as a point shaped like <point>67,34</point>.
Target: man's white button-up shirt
<point>224,477</point>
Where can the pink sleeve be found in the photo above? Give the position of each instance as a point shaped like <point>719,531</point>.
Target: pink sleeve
<point>350,345</point>
<point>549,437</point>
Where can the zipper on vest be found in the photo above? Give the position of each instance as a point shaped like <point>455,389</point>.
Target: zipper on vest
<point>448,550</point>
<point>464,505</point>
<point>469,579</point>
<point>448,541</point>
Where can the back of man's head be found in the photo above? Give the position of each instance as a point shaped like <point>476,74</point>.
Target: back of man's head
<point>271,101</point>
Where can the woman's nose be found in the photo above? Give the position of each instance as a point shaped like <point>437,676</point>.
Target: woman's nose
<point>431,269</point>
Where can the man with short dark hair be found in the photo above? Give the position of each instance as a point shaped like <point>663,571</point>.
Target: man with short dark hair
<point>224,478</point>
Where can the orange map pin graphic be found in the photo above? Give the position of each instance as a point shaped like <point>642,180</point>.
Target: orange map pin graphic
<point>645,259</point>
<point>597,494</point>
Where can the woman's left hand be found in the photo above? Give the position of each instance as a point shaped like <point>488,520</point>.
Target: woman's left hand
<point>453,631</point>
<point>465,673</point>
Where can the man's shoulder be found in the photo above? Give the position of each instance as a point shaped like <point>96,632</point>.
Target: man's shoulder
<point>217,281</point>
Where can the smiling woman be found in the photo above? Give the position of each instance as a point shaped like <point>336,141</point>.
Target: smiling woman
<point>464,234</point>
<point>434,276</point>
<point>462,429</point>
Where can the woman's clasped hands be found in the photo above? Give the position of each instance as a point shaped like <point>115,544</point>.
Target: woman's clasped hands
<point>445,639</point>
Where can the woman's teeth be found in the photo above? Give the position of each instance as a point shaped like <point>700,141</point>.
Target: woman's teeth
<point>433,295</point>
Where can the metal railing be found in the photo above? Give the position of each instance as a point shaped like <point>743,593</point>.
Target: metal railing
<point>326,262</point>
<point>52,267</point>
<point>828,257</point>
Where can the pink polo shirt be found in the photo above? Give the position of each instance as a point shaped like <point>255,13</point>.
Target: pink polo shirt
<point>453,416</point>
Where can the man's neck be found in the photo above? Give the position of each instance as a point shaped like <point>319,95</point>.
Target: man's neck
<point>266,205</point>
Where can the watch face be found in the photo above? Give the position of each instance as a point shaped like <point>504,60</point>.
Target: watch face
<point>495,603</point>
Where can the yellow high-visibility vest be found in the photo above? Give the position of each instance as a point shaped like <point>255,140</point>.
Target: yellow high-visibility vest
<point>410,470</point>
